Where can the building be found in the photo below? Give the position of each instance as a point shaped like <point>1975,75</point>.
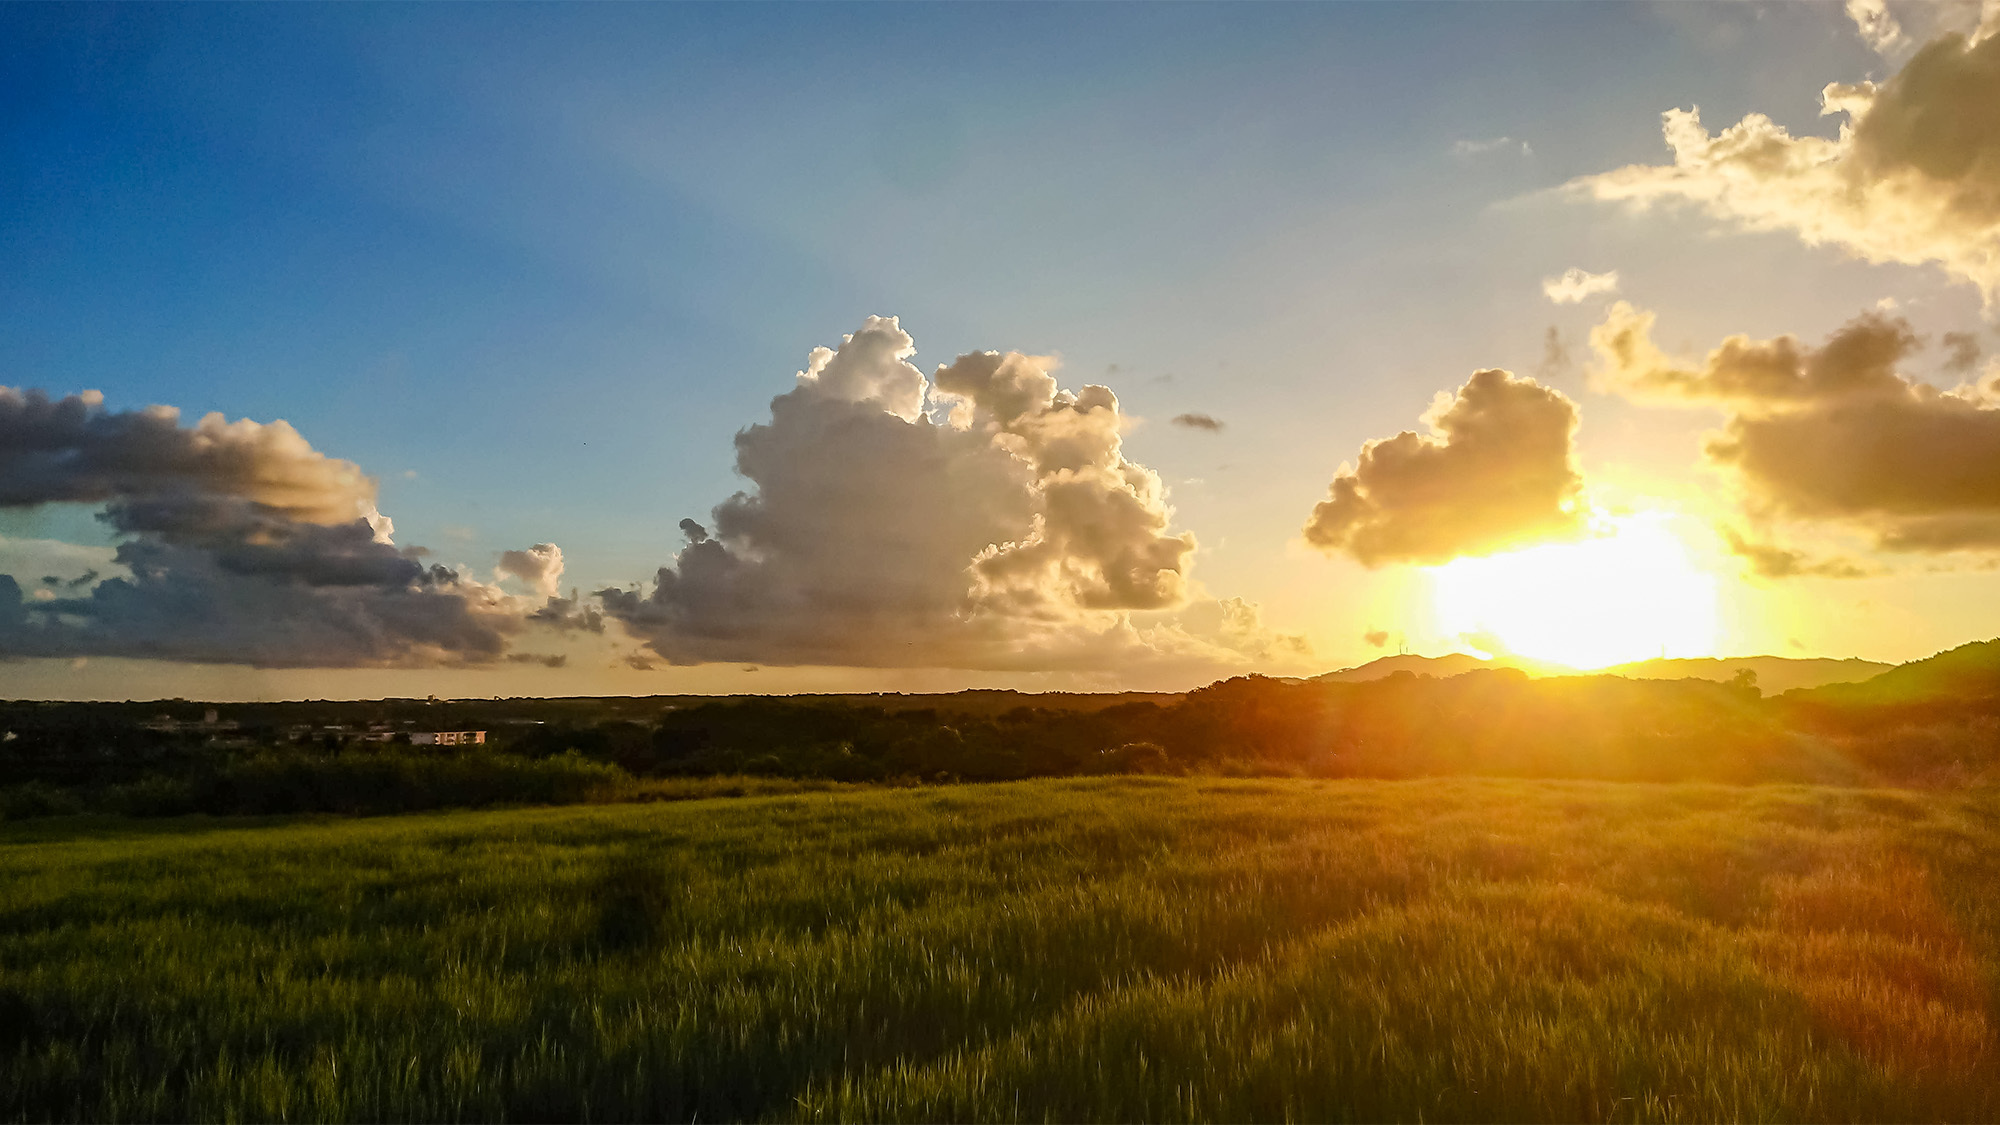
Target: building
<point>448,738</point>
<point>211,722</point>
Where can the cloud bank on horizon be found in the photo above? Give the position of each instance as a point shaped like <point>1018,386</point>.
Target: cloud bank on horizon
<point>984,519</point>
<point>241,544</point>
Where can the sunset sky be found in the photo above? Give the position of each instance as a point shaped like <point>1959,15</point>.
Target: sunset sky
<point>493,333</point>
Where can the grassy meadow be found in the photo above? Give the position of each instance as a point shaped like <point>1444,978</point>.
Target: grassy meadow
<point>1099,948</point>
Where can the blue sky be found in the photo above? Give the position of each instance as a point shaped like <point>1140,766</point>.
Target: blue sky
<point>532,266</point>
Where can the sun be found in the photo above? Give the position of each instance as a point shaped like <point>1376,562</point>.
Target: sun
<point>1629,594</point>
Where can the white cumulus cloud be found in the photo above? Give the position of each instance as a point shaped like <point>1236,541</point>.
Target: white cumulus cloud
<point>1577,285</point>
<point>985,519</point>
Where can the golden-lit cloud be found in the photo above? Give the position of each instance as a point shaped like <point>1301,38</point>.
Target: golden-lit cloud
<point>539,567</point>
<point>1913,177</point>
<point>1836,433</point>
<point>1874,23</point>
<point>988,519</point>
<point>1498,470</point>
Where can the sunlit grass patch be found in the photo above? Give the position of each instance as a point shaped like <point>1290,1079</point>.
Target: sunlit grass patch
<point>1076,949</point>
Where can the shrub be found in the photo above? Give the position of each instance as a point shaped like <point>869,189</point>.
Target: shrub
<point>36,798</point>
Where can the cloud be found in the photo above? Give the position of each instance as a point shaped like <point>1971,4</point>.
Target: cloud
<point>1913,177</point>
<point>987,520</point>
<point>1497,144</point>
<point>1497,471</point>
<point>1875,25</point>
<point>239,543</point>
<point>1198,422</point>
<point>1376,638</point>
<point>1962,352</point>
<point>1555,354</point>
<point>67,562</point>
<point>573,614</point>
<point>1576,285</point>
<point>540,567</point>
<point>1831,434</point>
<point>1768,560</point>
<point>87,578</point>
<point>71,449</point>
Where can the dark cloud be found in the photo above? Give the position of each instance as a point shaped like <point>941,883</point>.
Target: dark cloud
<point>1833,433</point>
<point>180,603</point>
<point>71,449</point>
<point>242,544</point>
<point>1555,354</point>
<point>572,614</point>
<point>1198,422</point>
<point>1376,638</point>
<point>1497,471</point>
<point>1767,560</point>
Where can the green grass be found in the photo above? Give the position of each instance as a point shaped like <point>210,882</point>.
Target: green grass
<point>1083,949</point>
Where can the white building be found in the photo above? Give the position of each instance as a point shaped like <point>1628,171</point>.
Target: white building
<point>447,738</point>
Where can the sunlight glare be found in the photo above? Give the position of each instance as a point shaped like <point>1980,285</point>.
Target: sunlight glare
<point>1632,594</point>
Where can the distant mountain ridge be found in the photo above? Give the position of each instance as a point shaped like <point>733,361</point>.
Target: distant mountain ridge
<point>1442,667</point>
<point>1775,674</point>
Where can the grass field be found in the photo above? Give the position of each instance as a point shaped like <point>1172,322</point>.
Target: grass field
<point>1084,949</point>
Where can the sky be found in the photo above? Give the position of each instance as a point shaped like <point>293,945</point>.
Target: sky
<point>358,350</point>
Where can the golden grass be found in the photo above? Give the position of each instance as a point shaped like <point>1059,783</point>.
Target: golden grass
<point>1116,949</point>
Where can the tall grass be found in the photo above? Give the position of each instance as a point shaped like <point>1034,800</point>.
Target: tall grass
<point>1142,949</point>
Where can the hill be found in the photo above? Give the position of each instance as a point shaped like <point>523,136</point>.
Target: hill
<point>1775,674</point>
<point>1968,674</point>
<point>1441,667</point>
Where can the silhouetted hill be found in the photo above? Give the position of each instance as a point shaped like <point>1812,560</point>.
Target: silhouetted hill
<point>1441,667</point>
<point>1775,674</point>
<point>1969,673</point>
